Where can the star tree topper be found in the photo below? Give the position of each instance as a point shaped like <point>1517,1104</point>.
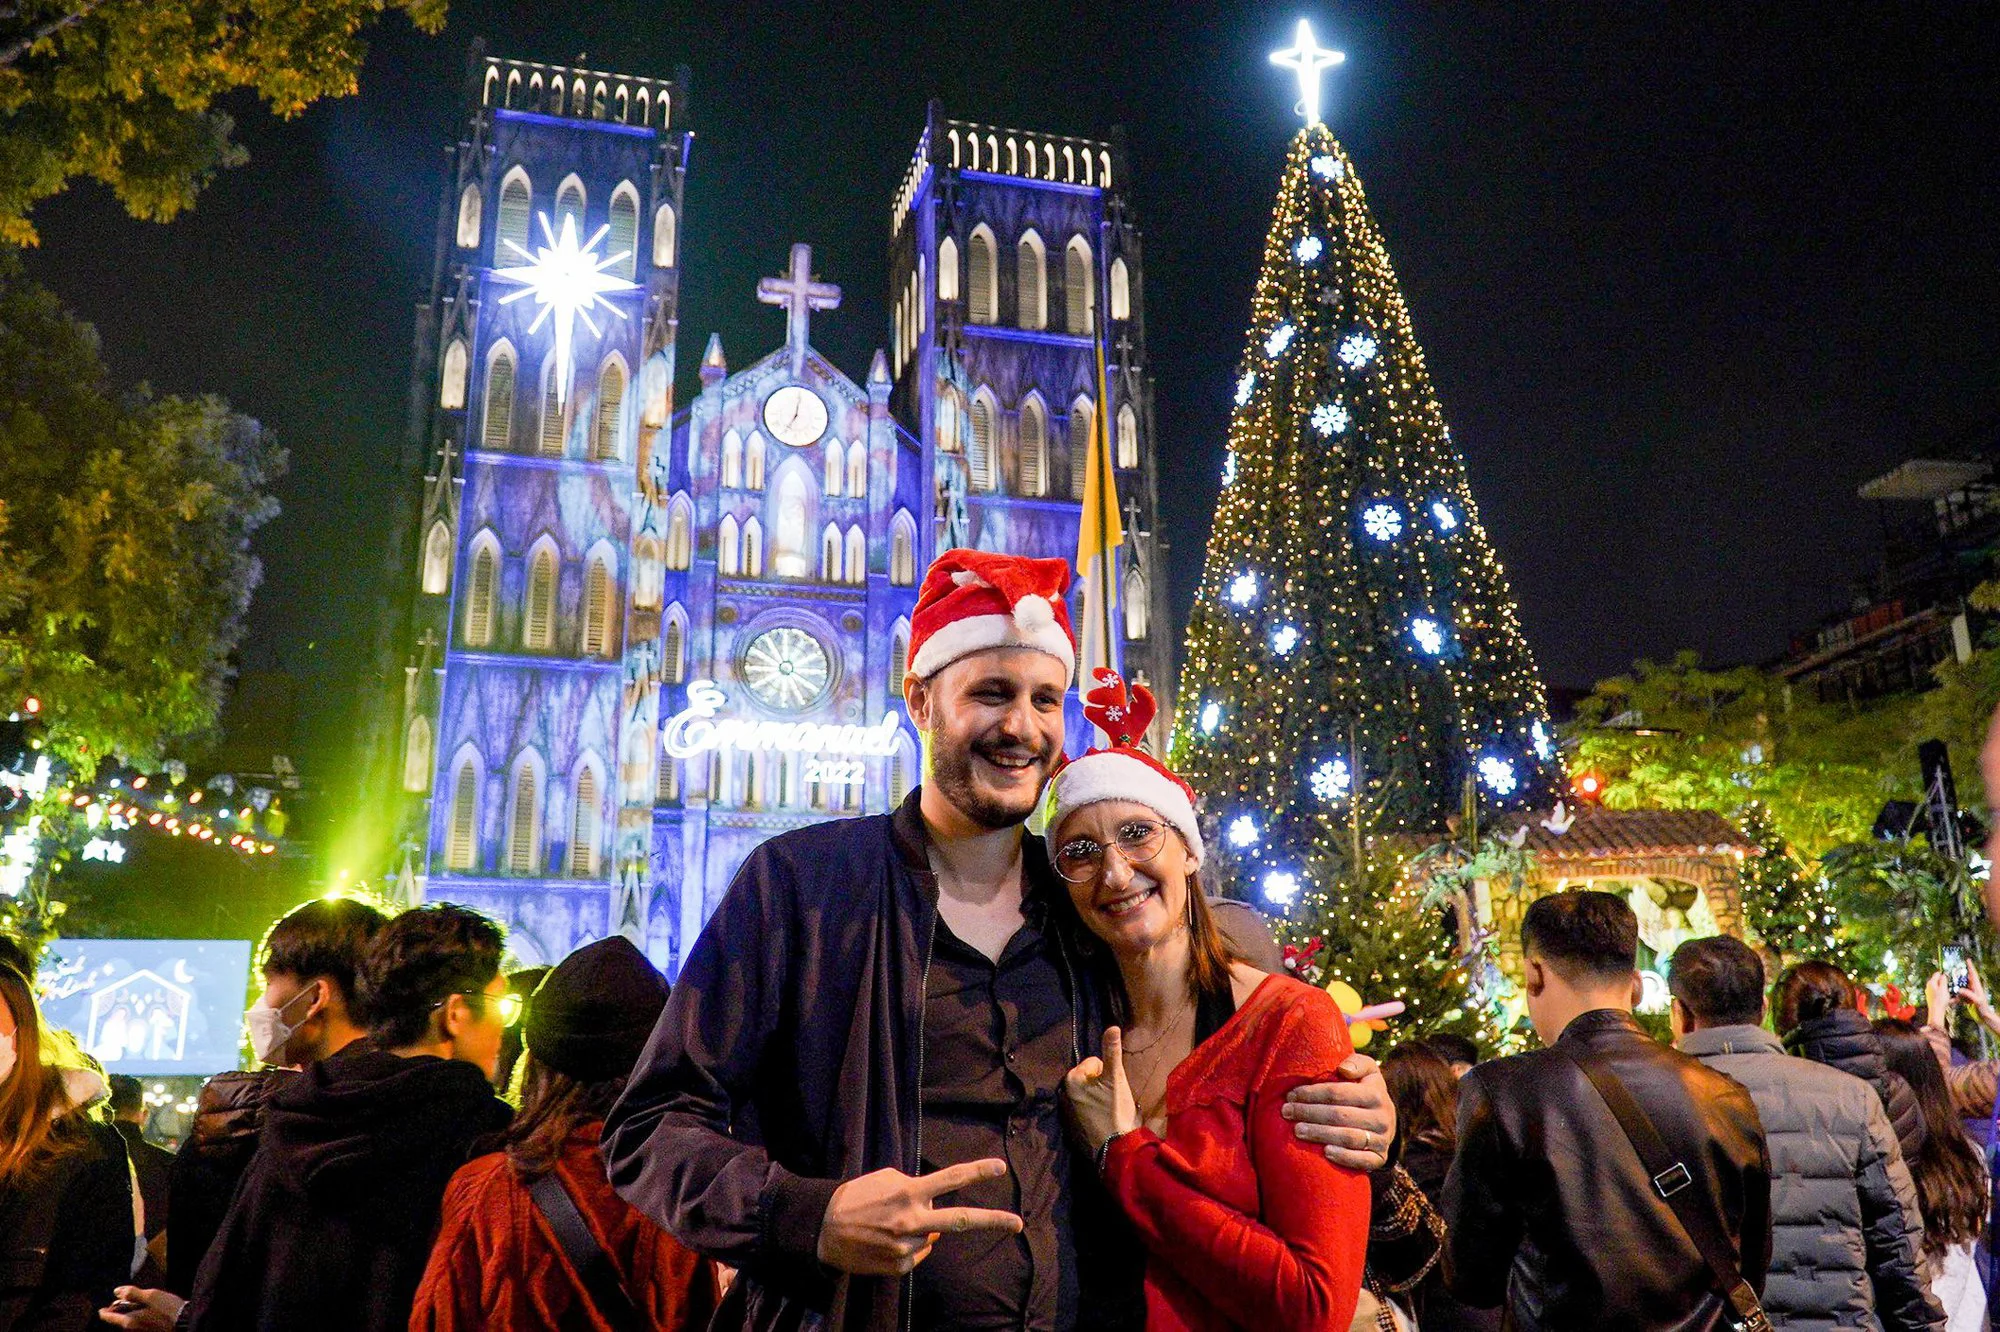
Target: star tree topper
<point>1306,58</point>
<point>568,281</point>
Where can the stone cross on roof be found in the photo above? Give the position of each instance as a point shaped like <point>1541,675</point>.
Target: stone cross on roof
<point>799,294</point>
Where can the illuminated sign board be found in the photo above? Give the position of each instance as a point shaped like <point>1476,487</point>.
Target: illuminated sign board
<point>150,1007</point>
<point>699,729</point>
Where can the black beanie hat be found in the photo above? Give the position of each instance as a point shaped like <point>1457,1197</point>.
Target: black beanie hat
<point>590,1017</point>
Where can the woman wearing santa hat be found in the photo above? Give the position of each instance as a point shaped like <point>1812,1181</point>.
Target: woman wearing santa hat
<point>1243,1224</point>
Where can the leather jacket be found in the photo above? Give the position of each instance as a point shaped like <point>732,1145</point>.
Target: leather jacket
<point>1551,1212</point>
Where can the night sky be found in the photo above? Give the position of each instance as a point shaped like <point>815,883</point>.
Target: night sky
<point>1685,274</point>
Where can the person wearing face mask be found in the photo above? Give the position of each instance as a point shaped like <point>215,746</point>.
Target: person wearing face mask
<point>305,1013</point>
<point>66,1234</point>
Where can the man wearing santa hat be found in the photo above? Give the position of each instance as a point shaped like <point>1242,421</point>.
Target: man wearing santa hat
<point>853,1097</point>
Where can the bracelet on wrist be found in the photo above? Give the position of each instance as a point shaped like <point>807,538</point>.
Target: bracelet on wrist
<point>1104,1148</point>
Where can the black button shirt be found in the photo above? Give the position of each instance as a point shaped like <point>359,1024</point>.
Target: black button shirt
<point>998,1038</point>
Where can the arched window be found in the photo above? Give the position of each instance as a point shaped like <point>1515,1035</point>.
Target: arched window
<point>597,610</point>
<point>516,210</point>
<point>857,469</point>
<point>1031,295</point>
<point>1121,290</point>
<point>648,573</point>
<point>480,591</point>
<point>947,288</point>
<point>497,431</point>
<point>538,620</point>
<point>663,236</point>
<point>983,302</point>
<point>624,234</point>
<point>1136,608</point>
<point>673,646</point>
<point>417,754</point>
<point>896,344</point>
<point>462,841</point>
<point>585,821</point>
<point>1080,285</point>
<point>902,771</point>
<point>1128,437</point>
<point>857,555</point>
<point>732,461</point>
<point>829,554</point>
<point>727,549</point>
<point>753,462</point>
<point>903,550</point>
<point>680,533</point>
<point>899,657</point>
<point>980,459</point>
<point>468,218</point>
<point>437,559</point>
<point>1080,428</point>
<point>524,821</point>
<point>792,549</point>
<point>610,399</point>
<point>569,206</point>
<point>753,549</point>
<point>1034,448</point>
<point>552,412</point>
<point>451,381</point>
<point>836,467</point>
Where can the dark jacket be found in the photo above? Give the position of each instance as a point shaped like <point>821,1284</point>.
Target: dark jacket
<point>789,1060</point>
<point>1844,1249</point>
<point>228,1112</point>
<point>66,1234</point>
<point>1436,1308</point>
<point>1551,1210</point>
<point>151,1165</point>
<point>334,1219</point>
<point>1846,1040</point>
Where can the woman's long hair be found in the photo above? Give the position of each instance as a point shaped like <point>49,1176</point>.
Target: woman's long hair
<point>553,1107</point>
<point>34,1107</point>
<point>1809,990</point>
<point>1950,1173</point>
<point>1425,1091</point>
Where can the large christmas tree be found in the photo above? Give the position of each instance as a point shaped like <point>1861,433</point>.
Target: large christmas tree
<point>1354,639</point>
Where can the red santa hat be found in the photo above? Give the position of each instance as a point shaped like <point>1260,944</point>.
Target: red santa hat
<point>972,601</point>
<point>1121,770</point>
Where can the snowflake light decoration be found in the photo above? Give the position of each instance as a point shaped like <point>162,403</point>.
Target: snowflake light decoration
<point>1281,887</point>
<point>1429,635</point>
<point>1328,167</point>
<point>1447,520</point>
<point>1284,638</point>
<point>1329,418</point>
<point>1308,249</point>
<point>1357,350</point>
<point>1243,589</point>
<point>1211,717</point>
<point>1539,734</point>
<point>1229,468</point>
<point>1242,831</point>
<point>1330,780</point>
<point>1281,338</point>
<point>1382,521</point>
<point>568,281</point>
<point>1498,774</point>
<point>1245,386</point>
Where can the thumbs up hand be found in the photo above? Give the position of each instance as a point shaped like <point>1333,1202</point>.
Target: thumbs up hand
<point>1100,1096</point>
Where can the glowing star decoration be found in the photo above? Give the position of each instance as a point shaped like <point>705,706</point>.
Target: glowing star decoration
<point>1428,633</point>
<point>1357,350</point>
<point>1211,718</point>
<point>1305,57</point>
<point>567,281</point>
<point>1330,780</point>
<point>103,848</point>
<point>1447,521</point>
<point>1281,338</point>
<point>1229,468</point>
<point>1284,638</point>
<point>1384,522</point>
<point>1329,418</point>
<point>1328,167</point>
<point>1281,887</point>
<point>1498,774</point>
<point>1308,249</point>
<point>1242,831</point>
<point>1544,749</point>
<point>1245,387</point>
<point>1243,589</point>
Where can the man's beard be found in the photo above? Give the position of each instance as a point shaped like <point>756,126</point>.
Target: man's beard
<point>951,769</point>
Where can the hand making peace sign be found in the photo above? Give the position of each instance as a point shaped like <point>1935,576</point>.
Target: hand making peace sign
<point>884,1224</point>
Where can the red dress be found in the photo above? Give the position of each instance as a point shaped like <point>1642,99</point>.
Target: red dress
<point>1244,1225</point>
<point>496,1264</point>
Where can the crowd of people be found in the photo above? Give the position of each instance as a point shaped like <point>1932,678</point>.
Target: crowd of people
<point>924,1070</point>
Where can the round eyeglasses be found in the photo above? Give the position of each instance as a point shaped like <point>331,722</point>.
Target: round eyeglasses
<point>1081,859</point>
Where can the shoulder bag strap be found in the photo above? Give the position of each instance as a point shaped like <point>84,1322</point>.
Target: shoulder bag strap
<point>601,1285</point>
<point>1672,1181</point>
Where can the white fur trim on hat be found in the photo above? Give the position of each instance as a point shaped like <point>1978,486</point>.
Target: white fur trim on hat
<point>977,633</point>
<point>1110,775</point>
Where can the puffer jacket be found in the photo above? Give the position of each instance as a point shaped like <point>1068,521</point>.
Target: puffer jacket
<point>1845,1040</point>
<point>228,1112</point>
<point>1846,1234</point>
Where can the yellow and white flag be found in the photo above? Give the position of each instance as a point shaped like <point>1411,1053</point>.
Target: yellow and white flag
<point>1097,540</point>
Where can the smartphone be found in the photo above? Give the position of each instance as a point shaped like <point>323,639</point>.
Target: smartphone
<point>1956,974</point>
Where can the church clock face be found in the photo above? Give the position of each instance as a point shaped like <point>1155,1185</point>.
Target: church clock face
<point>795,415</point>
<point>786,669</point>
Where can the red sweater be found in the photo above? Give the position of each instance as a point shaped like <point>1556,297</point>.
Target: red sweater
<point>497,1267</point>
<point>1245,1226</point>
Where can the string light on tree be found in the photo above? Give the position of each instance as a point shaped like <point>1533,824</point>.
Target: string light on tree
<point>1281,888</point>
<point>1328,167</point>
<point>1211,718</point>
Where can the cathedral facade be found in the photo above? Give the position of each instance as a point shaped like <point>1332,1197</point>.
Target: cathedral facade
<point>643,636</point>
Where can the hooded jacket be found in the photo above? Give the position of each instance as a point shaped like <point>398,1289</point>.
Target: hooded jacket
<point>333,1222</point>
<point>1846,1040</point>
<point>1846,1235</point>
